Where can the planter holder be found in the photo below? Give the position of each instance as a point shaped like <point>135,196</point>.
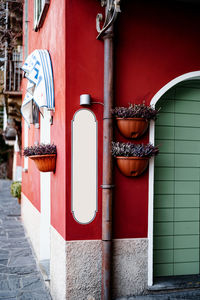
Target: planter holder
<point>45,163</point>
<point>132,166</point>
<point>132,128</point>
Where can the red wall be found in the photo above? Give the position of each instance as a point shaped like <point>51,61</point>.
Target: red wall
<point>155,42</point>
<point>84,76</point>
<point>51,37</point>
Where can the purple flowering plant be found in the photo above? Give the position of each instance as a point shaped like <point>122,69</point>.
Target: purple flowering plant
<point>40,149</point>
<point>130,149</point>
<point>136,111</point>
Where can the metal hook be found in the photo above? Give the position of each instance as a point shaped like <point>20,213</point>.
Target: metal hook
<point>113,8</point>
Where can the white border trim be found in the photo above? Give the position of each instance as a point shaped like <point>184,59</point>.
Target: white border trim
<point>154,100</point>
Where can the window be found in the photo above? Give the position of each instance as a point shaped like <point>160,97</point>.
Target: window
<point>40,11</point>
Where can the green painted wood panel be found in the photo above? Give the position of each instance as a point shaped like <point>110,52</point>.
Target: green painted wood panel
<point>186,187</point>
<point>185,255</point>
<point>165,119</point>
<point>186,120</point>
<point>184,160</point>
<point>185,93</point>
<point>164,187</point>
<point>164,228</point>
<point>186,268</point>
<point>182,228</point>
<point>187,174</point>
<point>177,183</point>
<point>164,174</point>
<point>163,242</point>
<point>187,147</point>
<point>188,134</point>
<point>186,201</point>
<point>163,214</point>
<point>164,269</point>
<point>164,256</point>
<point>186,241</point>
<point>189,107</point>
<point>163,201</point>
<point>163,132</point>
<point>165,146</point>
<point>165,160</point>
<point>186,214</point>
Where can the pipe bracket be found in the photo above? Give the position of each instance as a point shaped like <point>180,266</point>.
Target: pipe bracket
<point>107,186</point>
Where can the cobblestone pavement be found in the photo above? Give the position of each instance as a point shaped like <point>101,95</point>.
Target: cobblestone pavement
<point>20,278</point>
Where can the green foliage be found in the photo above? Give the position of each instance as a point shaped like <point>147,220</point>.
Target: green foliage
<point>15,189</point>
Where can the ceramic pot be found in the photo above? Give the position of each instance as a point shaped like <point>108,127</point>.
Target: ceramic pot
<point>132,128</point>
<point>132,166</point>
<point>45,163</point>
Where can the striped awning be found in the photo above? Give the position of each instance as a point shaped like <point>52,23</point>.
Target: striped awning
<point>40,87</point>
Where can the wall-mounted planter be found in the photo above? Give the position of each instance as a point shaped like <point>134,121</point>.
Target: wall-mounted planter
<point>132,166</point>
<point>132,128</point>
<point>45,163</point>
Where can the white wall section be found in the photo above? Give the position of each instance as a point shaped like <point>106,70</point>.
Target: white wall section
<point>45,195</point>
<point>25,144</point>
<point>84,166</point>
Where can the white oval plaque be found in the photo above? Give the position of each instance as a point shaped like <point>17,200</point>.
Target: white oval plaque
<point>84,166</point>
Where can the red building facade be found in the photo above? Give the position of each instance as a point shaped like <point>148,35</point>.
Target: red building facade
<point>155,48</point>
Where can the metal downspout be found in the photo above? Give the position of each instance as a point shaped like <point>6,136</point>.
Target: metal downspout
<point>107,193</point>
<point>107,33</point>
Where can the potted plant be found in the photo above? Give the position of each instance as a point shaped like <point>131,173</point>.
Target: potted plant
<point>43,155</point>
<point>15,190</point>
<point>132,159</point>
<point>133,121</point>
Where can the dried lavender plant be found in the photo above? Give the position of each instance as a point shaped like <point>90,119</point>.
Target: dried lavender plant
<point>41,149</point>
<point>130,149</point>
<point>136,111</point>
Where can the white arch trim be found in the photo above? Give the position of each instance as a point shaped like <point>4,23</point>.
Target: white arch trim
<point>154,100</point>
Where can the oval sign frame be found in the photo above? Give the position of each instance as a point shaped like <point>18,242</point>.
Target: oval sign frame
<point>84,166</point>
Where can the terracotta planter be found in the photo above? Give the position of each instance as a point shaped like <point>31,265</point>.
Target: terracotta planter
<point>19,200</point>
<point>132,128</point>
<point>132,166</point>
<point>45,163</point>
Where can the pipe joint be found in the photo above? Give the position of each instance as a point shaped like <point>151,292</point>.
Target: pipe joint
<point>107,186</point>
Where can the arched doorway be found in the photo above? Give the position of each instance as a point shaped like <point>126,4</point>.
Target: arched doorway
<point>174,198</point>
<point>177,182</point>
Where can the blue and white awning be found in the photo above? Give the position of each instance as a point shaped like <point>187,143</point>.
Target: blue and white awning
<point>40,87</point>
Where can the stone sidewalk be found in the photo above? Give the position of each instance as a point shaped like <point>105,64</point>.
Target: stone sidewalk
<point>20,277</point>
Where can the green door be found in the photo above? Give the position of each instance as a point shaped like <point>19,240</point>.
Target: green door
<point>177,182</point>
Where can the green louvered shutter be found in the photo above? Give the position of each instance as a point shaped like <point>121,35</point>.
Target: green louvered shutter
<point>177,183</point>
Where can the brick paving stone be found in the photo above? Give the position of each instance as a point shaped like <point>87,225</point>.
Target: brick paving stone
<point>20,277</point>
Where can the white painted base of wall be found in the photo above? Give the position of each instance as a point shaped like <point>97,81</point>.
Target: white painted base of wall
<point>130,267</point>
<point>17,170</point>
<point>57,266</point>
<point>75,268</point>
<point>31,220</point>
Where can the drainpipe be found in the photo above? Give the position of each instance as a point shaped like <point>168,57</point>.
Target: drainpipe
<point>112,9</point>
